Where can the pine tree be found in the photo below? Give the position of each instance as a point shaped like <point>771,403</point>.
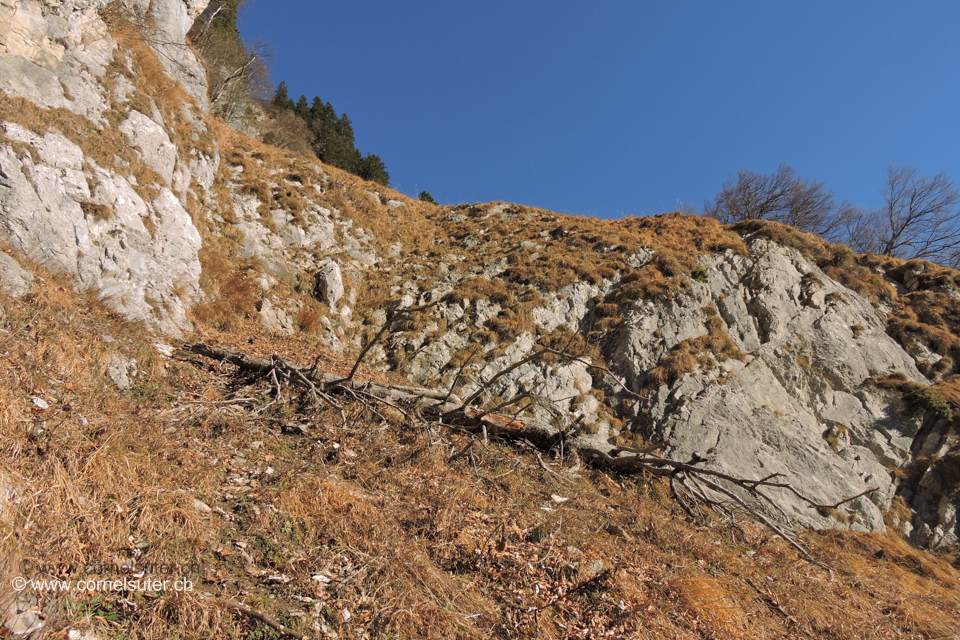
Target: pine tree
<point>331,137</point>
<point>372,168</point>
<point>302,109</point>
<point>281,99</point>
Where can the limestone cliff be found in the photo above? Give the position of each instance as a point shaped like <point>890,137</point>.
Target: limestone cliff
<point>761,352</point>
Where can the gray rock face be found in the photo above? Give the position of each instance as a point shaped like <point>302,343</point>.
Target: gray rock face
<point>22,615</point>
<point>800,404</point>
<point>276,318</point>
<point>23,624</point>
<point>329,284</point>
<point>15,281</point>
<point>44,209</point>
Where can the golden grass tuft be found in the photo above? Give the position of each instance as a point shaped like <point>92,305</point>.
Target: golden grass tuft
<point>705,351</point>
<point>310,316</point>
<point>705,598</point>
<point>231,294</point>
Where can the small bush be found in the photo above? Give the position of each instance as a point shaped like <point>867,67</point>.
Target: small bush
<point>928,401</point>
<point>97,211</point>
<point>700,274</point>
<point>309,318</point>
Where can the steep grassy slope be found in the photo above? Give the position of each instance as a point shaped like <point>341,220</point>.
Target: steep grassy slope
<point>372,528</point>
<point>372,523</point>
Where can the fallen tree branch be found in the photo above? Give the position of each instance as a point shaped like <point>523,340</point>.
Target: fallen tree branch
<point>264,618</point>
<point>543,465</point>
<point>391,316</point>
<point>692,485</point>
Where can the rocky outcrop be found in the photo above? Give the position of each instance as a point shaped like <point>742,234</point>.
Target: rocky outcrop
<point>15,281</point>
<point>800,402</point>
<point>329,284</point>
<point>55,53</point>
<point>141,255</point>
<point>798,399</point>
<point>115,231</point>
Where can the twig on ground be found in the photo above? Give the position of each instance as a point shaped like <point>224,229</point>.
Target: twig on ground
<point>264,618</point>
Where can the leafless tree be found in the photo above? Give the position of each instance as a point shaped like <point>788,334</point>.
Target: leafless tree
<point>236,73</point>
<point>918,220</point>
<point>780,196</point>
<point>285,130</point>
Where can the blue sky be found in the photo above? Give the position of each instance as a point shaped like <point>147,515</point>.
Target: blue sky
<point>627,108</point>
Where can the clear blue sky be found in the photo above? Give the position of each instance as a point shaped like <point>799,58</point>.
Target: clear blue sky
<point>619,108</point>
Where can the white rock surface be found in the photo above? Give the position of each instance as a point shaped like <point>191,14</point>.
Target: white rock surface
<point>154,144</point>
<point>15,281</point>
<point>139,274</point>
<point>141,255</point>
<point>329,283</point>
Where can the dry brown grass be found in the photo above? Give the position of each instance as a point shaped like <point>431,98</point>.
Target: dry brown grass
<point>414,545</point>
<point>310,316</point>
<point>712,605</point>
<point>99,470</point>
<point>704,351</point>
<point>97,211</point>
<point>896,382</point>
<point>231,294</point>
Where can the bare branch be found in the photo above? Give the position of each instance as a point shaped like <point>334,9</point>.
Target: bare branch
<point>391,316</point>
<point>264,618</point>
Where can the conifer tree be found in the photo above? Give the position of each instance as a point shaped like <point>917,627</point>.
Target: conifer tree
<point>331,137</point>
<point>372,168</point>
<point>281,99</point>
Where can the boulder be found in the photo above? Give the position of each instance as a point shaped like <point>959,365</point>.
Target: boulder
<point>328,284</point>
<point>15,281</point>
<point>122,371</point>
